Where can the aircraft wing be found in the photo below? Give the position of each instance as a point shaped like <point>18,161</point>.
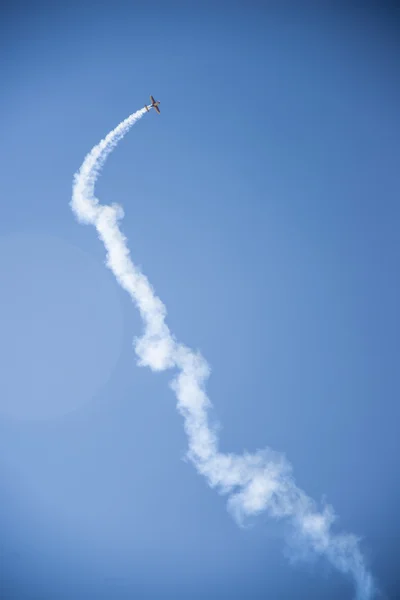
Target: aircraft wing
<point>152,99</point>
<point>157,109</point>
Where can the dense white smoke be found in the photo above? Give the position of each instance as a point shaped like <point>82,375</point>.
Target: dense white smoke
<point>254,483</point>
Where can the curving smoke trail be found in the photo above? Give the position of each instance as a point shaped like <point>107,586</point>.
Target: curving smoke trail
<point>254,483</point>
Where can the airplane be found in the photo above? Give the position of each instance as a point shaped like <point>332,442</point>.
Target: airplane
<point>154,104</point>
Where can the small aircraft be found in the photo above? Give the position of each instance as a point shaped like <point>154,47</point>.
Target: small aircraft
<point>154,104</point>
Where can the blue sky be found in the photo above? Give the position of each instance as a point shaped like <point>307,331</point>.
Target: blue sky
<point>262,205</point>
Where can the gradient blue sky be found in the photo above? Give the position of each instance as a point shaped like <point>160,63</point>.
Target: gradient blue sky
<point>263,206</point>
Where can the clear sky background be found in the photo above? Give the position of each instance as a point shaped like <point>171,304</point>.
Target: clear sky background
<point>263,205</point>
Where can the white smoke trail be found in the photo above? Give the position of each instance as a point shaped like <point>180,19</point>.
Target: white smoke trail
<point>254,482</point>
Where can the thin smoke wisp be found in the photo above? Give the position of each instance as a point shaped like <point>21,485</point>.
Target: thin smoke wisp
<point>257,482</point>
